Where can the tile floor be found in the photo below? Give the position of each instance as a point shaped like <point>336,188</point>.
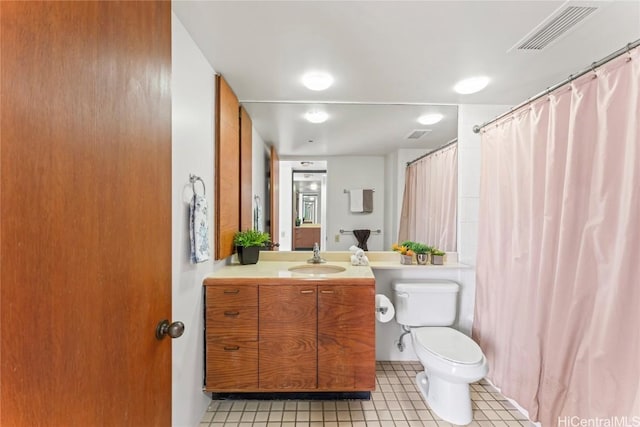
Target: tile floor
<point>395,403</point>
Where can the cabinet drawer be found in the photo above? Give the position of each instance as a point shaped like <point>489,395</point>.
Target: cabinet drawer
<point>232,365</point>
<point>232,322</point>
<point>230,295</point>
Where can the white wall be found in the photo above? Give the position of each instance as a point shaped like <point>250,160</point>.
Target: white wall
<point>344,173</point>
<point>192,152</point>
<point>390,200</point>
<point>469,175</point>
<point>259,176</point>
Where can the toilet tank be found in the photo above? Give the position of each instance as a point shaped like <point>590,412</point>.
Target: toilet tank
<point>425,302</point>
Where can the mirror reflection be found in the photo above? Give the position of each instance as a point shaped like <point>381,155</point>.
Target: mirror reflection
<point>358,146</point>
<point>307,208</point>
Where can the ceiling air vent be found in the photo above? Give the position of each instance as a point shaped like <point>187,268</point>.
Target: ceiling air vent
<point>551,29</point>
<point>418,133</point>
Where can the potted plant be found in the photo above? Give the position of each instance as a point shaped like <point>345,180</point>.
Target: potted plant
<point>437,257</point>
<point>406,254</point>
<point>422,252</point>
<point>248,244</point>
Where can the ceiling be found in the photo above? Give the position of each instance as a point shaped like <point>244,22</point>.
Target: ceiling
<point>389,53</point>
<point>308,182</point>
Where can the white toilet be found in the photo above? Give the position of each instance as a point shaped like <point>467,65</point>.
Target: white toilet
<point>451,359</point>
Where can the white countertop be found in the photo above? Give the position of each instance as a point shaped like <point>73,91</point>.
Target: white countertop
<point>274,265</point>
<point>280,270</point>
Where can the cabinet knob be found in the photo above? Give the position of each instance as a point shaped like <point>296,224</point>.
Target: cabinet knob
<point>327,292</point>
<point>231,347</point>
<point>231,291</point>
<point>307,291</point>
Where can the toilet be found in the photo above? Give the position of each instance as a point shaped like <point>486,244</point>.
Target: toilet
<point>451,360</point>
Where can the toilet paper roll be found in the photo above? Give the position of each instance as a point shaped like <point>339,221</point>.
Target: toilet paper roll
<point>383,304</point>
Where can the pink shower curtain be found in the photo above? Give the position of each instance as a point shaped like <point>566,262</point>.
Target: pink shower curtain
<point>430,200</point>
<point>558,268</point>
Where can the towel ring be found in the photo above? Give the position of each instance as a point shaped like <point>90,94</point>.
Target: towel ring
<point>193,179</point>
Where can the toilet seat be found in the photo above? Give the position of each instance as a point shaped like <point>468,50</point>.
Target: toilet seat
<point>448,344</point>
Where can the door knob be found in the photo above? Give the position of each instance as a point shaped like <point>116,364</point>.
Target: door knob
<point>174,330</point>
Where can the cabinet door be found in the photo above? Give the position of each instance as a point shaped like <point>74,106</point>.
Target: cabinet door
<point>346,338</point>
<point>288,337</point>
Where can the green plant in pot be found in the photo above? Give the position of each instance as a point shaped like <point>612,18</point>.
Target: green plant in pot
<point>248,244</point>
<point>422,252</point>
<point>437,257</point>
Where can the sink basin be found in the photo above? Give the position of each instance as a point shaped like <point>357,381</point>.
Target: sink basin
<point>317,269</point>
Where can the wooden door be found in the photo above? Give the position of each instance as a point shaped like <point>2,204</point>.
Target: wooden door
<point>85,213</point>
<point>274,197</point>
<point>346,337</point>
<point>287,337</point>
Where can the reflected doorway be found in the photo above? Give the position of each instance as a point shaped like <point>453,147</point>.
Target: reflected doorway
<point>308,213</point>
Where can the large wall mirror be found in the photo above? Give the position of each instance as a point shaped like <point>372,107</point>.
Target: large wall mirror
<point>352,136</point>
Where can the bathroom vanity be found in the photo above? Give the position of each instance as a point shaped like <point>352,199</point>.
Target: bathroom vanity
<point>269,329</point>
<point>304,236</point>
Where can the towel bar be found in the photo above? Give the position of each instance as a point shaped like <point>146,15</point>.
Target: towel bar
<point>372,189</point>
<point>193,179</point>
<point>378,231</point>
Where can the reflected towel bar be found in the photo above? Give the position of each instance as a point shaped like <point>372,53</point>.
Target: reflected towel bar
<point>378,231</point>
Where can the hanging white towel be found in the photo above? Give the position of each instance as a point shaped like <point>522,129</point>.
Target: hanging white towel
<point>356,200</point>
<point>199,229</point>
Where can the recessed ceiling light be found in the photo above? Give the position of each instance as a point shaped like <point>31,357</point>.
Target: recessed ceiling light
<point>317,80</point>
<point>313,186</point>
<point>316,116</point>
<point>430,119</point>
<point>471,85</point>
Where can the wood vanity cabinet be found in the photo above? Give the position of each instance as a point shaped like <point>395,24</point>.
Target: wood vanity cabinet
<point>231,324</point>
<point>305,237</point>
<point>290,337</point>
<point>346,337</point>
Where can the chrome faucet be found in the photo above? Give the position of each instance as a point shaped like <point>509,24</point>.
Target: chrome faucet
<point>316,255</point>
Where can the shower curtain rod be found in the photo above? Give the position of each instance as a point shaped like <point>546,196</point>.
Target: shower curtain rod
<point>592,67</point>
<point>442,147</point>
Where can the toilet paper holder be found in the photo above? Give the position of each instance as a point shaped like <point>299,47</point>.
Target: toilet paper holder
<point>382,310</point>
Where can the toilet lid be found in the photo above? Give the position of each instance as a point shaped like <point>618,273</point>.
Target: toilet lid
<point>449,344</point>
